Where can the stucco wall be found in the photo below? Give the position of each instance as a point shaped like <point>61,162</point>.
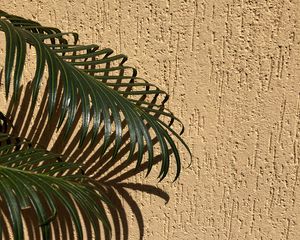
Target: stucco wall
<point>232,71</point>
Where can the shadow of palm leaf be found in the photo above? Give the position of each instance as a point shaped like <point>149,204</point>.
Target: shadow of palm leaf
<point>113,176</point>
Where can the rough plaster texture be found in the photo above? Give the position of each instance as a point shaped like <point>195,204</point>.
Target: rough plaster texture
<point>232,71</point>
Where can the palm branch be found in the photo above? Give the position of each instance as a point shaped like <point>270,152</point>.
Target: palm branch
<point>28,178</point>
<point>105,91</point>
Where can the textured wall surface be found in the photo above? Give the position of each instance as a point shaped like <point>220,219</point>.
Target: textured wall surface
<point>232,69</point>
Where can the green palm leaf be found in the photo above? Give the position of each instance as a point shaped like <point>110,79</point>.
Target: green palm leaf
<point>99,82</point>
<point>28,178</point>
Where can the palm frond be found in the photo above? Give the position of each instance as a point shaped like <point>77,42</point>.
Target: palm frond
<point>29,178</point>
<point>97,80</point>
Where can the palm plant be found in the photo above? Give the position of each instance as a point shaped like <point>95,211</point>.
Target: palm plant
<point>114,105</point>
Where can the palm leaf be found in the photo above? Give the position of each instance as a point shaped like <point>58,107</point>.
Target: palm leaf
<point>99,82</point>
<point>28,178</point>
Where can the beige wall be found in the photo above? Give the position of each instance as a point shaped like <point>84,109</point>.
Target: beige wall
<point>232,71</point>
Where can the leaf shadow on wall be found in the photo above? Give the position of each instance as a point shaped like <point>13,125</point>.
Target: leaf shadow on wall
<point>112,175</point>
